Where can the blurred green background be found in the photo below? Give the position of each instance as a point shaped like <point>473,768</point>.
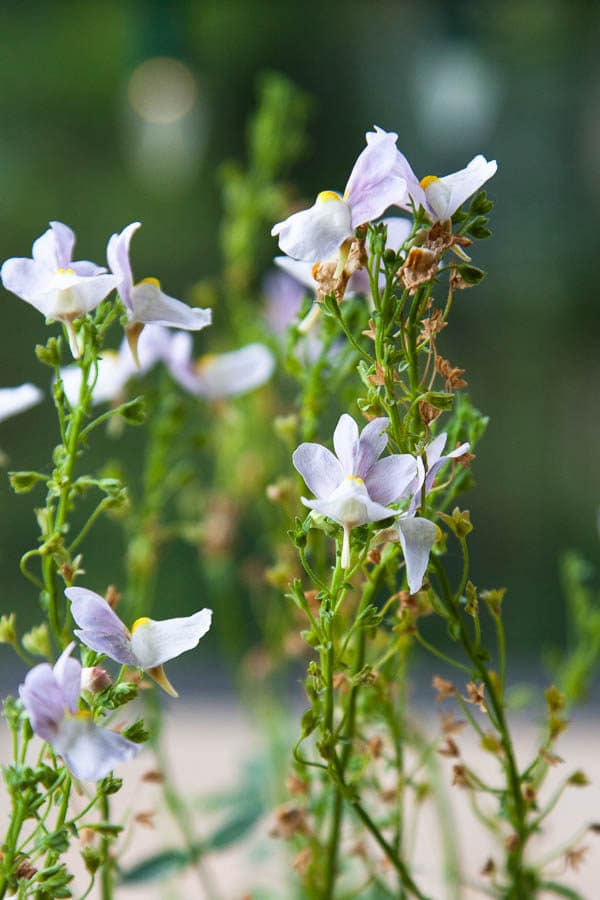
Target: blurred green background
<point>96,135</point>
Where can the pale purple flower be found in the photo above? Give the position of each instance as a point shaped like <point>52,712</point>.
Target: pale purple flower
<point>416,534</point>
<point>147,645</point>
<point>145,302</point>
<point>59,288</point>
<point>354,486</point>
<point>218,375</point>
<point>18,399</point>
<point>441,197</point>
<point>376,182</point>
<point>51,699</point>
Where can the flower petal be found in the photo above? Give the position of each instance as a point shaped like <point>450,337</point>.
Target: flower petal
<point>17,399</point>
<point>54,248</point>
<point>230,374</point>
<point>320,469</point>
<point>398,230</point>
<point>67,672</point>
<point>373,441</point>
<point>87,292</point>
<point>300,270</point>
<point>89,750</point>
<point>43,699</point>
<point>447,194</point>
<point>153,643</point>
<point>345,443</point>
<point>28,280</point>
<point>100,628</point>
<point>87,268</point>
<point>435,448</point>
<point>64,241</point>
<point>434,468</point>
<point>377,180</point>
<point>150,305</point>
<point>350,505</point>
<point>417,537</point>
<point>117,255</point>
<point>388,479</point>
<point>317,233</point>
<point>284,291</point>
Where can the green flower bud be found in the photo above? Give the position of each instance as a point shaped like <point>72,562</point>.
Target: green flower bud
<point>23,482</point>
<point>8,633</point>
<point>49,354</point>
<point>37,641</point>
<point>135,411</point>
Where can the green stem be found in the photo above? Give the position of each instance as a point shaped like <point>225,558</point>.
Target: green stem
<point>106,869</point>
<point>517,809</point>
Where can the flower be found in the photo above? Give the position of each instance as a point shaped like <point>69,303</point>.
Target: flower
<point>354,486</point>
<point>58,287</point>
<point>145,302</point>
<point>416,534</point>
<point>376,182</point>
<point>219,375</point>
<point>285,294</point>
<point>148,645</point>
<point>51,699</point>
<point>441,197</point>
<point>302,271</point>
<point>17,399</point>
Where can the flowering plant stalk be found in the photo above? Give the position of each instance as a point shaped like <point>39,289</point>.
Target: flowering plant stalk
<point>70,704</point>
<point>377,547</point>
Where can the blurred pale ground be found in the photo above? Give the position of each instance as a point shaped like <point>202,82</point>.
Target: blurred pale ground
<point>208,745</point>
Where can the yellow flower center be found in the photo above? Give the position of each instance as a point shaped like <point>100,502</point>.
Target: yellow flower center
<point>204,362</point>
<point>65,271</point>
<point>143,620</point>
<point>82,714</point>
<point>153,281</point>
<point>429,179</point>
<point>355,478</point>
<point>326,196</point>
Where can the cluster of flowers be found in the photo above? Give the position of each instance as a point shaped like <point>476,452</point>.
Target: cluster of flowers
<point>65,290</point>
<point>356,487</point>
<point>353,487</point>
<point>382,178</point>
<point>57,700</point>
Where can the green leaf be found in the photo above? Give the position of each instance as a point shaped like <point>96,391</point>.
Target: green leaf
<point>438,399</point>
<point>235,829</point>
<point>560,890</point>
<point>162,865</point>
<point>470,274</point>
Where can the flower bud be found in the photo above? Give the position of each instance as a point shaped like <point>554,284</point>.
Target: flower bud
<point>95,679</point>
<point>8,634</point>
<point>37,641</point>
